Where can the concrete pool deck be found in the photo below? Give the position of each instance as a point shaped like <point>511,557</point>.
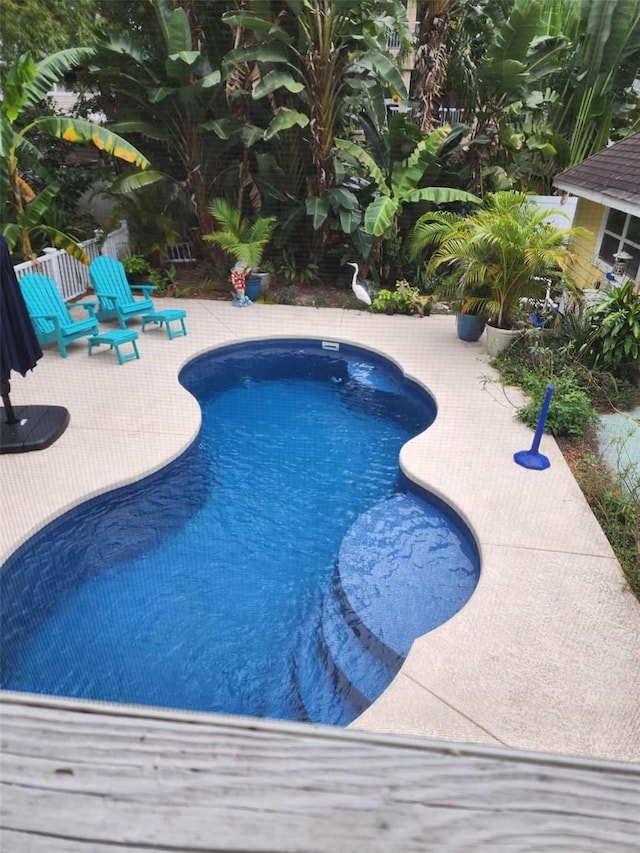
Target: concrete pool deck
<point>545,656</point>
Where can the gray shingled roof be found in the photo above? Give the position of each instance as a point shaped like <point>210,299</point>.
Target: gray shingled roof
<point>613,172</point>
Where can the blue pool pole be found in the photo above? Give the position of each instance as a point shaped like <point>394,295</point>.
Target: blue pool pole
<point>531,458</point>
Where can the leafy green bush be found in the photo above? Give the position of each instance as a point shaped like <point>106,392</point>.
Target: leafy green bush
<point>614,342</point>
<point>136,265</point>
<point>570,410</point>
<point>403,300</point>
<point>165,281</point>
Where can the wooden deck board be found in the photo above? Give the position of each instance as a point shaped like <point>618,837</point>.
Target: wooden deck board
<point>85,778</point>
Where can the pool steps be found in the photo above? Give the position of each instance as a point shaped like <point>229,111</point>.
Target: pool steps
<point>354,660</point>
<point>351,665</point>
<point>387,588</point>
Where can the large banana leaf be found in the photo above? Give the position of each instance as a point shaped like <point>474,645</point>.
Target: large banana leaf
<point>269,52</point>
<point>374,172</point>
<point>441,195</point>
<point>318,210</point>
<point>275,80</point>
<point>135,181</point>
<point>344,198</point>
<point>17,86</point>
<point>34,211</point>
<point>144,128</point>
<point>63,241</point>
<point>283,120</point>
<point>385,70</point>
<point>123,43</point>
<point>179,66</point>
<point>380,215</point>
<point>349,219</point>
<point>249,21</point>
<point>505,66</point>
<point>406,175</point>
<point>80,130</point>
<point>29,222</point>
<point>179,33</point>
<point>28,82</point>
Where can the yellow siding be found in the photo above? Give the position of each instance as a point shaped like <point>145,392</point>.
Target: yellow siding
<point>588,216</point>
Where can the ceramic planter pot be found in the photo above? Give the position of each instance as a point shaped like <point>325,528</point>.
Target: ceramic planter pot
<point>253,287</point>
<point>499,340</point>
<point>265,280</point>
<point>470,326</point>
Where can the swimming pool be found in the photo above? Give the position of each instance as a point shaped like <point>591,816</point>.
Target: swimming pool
<point>265,572</point>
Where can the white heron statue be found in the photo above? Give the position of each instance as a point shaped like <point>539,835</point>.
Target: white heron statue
<point>358,289</point>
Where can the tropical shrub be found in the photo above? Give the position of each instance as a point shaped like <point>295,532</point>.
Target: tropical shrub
<point>238,237</point>
<point>570,410</point>
<point>614,342</point>
<point>507,246</point>
<point>135,266</point>
<point>403,300</point>
<point>26,209</point>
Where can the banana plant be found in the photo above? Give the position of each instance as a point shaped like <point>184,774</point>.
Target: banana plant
<point>167,97</point>
<point>400,185</point>
<point>316,67</point>
<point>27,83</point>
<point>600,67</point>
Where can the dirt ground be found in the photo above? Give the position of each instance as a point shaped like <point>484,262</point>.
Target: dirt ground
<point>192,281</point>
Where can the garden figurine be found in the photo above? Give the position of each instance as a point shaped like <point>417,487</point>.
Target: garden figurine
<point>239,275</point>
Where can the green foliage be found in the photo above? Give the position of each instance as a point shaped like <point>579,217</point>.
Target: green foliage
<point>155,214</point>
<point>615,501</point>
<point>533,366</point>
<point>293,273</point>
<point>26,84</point>
<point>165,281</point>
<point>614,341</point>
<point>46,28</point>
<point>570,410</point>
<point>240,238</point>
<point>507,246</point>
<point>136,265</point>
<point>402,183</point>
<point>403,300</point>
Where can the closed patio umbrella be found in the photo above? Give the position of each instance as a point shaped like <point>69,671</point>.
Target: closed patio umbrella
<point>27,427</point>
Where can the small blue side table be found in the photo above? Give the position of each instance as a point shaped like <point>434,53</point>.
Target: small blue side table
<point>115,340</point>
<point>167,317</point>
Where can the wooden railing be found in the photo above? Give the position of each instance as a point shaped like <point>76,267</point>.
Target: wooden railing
<point>86,776</point>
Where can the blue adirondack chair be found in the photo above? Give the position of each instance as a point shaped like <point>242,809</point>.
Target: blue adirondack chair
<point>50,314</point>
<point>115,294</point>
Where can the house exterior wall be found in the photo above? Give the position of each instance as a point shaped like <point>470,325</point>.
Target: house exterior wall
<point>589,215</point>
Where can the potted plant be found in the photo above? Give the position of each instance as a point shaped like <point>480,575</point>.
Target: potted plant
<point>470,324</point>
<point>470,308</point>
<point>137,269</point>
<point>243,240</point>
<point>508,247</point>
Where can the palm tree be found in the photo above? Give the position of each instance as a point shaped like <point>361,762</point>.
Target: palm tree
<point>244,240</point>
<point>507,246</point>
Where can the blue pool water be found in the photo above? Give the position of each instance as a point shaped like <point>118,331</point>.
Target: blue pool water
<point>235,579</point>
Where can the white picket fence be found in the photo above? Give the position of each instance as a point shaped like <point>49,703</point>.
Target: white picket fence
<point>71,276</point>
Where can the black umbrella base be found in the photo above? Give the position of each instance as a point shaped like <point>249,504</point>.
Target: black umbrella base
<point>36,427</point>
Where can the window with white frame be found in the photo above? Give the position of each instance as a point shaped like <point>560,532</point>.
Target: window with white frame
<point>621,234</point>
